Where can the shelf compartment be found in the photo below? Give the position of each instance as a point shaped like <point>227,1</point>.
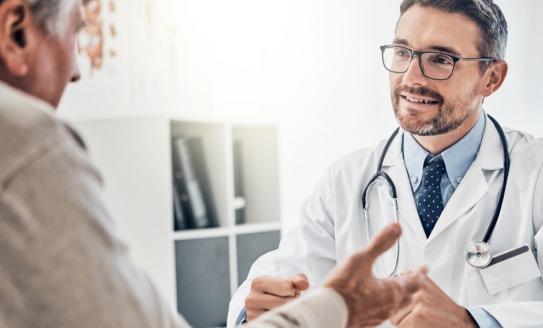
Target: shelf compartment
<point>256,173</point>
<point>209,156</point>
<point>203,281</point>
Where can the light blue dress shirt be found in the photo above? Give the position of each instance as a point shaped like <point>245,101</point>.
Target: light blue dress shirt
<point>242,317</point>
<point>457,159</point>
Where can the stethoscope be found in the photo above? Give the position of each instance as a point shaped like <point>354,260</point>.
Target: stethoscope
<point>478,254</point>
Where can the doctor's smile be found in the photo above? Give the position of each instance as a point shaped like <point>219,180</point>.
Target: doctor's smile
<point>418,100</point>
<point>414,100</point>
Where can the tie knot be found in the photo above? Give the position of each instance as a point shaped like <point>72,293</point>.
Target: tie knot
<point>433,171</point>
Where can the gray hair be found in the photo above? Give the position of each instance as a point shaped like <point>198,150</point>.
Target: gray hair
<point>485,13</point>
<point>52,15</point>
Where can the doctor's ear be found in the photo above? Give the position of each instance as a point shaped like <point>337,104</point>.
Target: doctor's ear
<point>15,26</point>
<point>493,77</point>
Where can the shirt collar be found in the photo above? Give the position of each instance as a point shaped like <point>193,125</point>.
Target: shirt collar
<point>457,158</point>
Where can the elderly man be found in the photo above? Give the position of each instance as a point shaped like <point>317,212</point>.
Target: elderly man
<point>61,262</point>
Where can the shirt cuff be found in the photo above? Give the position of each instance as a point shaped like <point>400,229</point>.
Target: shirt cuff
<point>483,318</point>
<point>242,318</point>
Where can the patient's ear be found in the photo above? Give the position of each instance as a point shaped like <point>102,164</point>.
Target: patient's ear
<point>15,35</point>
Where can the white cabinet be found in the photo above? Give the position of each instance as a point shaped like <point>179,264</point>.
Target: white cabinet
<point>197,270</point>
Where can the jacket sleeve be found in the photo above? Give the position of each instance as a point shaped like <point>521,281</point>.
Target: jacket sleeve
<point>62,262</point>
<point>320,309</point>
<point>528,313</point>
<point>308,248</point>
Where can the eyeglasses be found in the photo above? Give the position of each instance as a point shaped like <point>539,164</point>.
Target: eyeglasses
<point>434,65</point>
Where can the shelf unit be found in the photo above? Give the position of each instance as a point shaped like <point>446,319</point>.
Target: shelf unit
<point>197,270</point>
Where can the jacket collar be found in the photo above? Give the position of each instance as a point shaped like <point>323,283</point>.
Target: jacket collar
<point>472,188</point>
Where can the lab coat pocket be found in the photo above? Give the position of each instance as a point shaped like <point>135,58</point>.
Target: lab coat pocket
<point>510,269</point>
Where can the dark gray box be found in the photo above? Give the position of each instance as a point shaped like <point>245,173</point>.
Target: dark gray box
<point>251,246</point>
<point>203,281</point>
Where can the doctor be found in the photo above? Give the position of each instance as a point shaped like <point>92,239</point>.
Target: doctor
<point>447,165</point>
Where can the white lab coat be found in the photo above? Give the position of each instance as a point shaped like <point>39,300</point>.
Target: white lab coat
<point>332,226</point>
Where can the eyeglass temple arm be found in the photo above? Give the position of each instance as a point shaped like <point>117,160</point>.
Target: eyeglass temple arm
<point>479,59</point>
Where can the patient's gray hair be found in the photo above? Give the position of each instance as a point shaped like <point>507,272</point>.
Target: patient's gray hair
<point>52,15</point>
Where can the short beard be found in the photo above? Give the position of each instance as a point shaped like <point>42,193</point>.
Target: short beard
<point>443,122</point>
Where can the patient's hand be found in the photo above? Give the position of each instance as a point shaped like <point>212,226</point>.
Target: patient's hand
<point>370,300</point>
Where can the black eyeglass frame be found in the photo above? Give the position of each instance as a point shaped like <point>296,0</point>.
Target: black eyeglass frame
<point>420,53</point>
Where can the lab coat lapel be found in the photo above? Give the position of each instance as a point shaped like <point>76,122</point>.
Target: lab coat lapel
<point>394,166</point>
<point>475,183</point>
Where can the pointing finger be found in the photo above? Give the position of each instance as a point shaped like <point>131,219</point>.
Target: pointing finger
<point>384,240</point>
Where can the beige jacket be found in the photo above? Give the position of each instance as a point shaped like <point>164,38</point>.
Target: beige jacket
<point>61,262</point>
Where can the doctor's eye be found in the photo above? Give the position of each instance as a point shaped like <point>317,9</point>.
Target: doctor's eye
<point>402,52</point>
<point>440,59</point>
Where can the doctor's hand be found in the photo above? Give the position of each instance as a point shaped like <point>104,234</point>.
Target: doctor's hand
<point>371,301</point>
<point>431,307</point>
<point>270,292</point>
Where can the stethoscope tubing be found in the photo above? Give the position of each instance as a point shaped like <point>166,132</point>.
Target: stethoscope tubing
<point>506,166</point>
<point>392,188</point>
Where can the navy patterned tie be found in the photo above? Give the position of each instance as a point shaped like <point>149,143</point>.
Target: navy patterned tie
<point>430,203</point>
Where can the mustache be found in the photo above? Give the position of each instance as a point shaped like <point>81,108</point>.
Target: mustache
<point>418,91</point>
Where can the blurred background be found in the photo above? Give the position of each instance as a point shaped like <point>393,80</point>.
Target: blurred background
<point>296,83</point>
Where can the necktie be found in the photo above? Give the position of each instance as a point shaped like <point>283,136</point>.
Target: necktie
<point>430,203</point>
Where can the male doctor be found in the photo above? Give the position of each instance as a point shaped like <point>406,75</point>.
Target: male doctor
<point>446,57</point>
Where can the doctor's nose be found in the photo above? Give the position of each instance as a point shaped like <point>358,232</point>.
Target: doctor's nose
<point>414,74</point>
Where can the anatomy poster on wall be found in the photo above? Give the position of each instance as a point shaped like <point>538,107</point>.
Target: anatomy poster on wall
<point>103,50</point>
<point>155,32</point>
<point>129,54</point>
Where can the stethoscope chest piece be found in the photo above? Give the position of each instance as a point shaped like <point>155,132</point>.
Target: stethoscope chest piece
<point>478,254</point>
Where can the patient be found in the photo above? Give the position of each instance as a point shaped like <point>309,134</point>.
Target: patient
<point>61,262</point>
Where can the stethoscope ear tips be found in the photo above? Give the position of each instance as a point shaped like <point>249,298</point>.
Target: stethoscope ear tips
<point>478,254</point>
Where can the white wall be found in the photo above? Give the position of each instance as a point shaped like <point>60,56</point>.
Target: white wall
<point>311,65</point>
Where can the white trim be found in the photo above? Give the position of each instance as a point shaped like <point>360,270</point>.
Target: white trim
<point>224,232</point>
<point>233,258</point>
